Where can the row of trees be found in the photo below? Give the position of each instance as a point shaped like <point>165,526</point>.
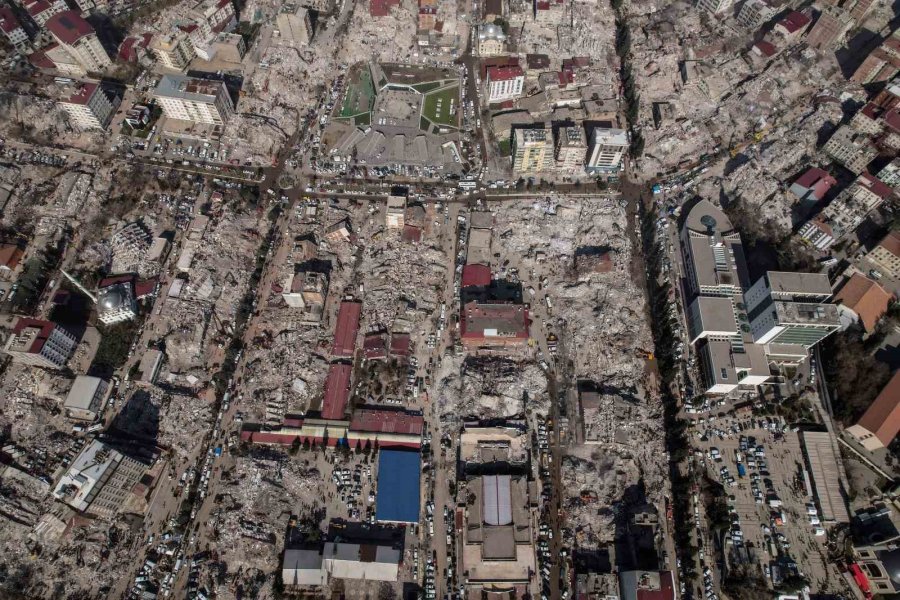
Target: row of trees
<point>632,98</point>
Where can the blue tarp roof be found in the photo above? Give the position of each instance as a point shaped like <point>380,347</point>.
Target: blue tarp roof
<point>398,486</point>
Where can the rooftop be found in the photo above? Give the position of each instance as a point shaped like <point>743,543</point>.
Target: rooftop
<point>504,73</point>
<point>783,282</point>
<point>189,88</point>
<point>883,416</point>
<point>82,392</point>
<point>346,329</point>
<point>31,334</point>
<point>69,27</point>
<point>864,297</point>
<point>891,243</point>
<point>397,498</point>
<point>494,321</point>
<point>337,391</point>
<point>82,94</point>
<point>794,21</point>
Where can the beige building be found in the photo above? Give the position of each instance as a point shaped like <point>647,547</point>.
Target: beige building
<point>294,26</point>
<point>886,255</point>
<point>173,50</point>
<point>571,149</point>
<point>532,150</point>
<point>851,148</point>
<point>40,343</point>
<point>78,39</point>
<point>395,213</point>
<point>192,99</point>
<point>755,13</point>
<point>89,107</point>
<point>491,40</point>
<point>85,398</point>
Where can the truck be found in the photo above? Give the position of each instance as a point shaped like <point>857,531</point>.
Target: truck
<point>742,471</point>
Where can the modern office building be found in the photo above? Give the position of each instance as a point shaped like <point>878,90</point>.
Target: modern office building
<point>607,152</point>
<point>788,308</point>
<point>193,99</point>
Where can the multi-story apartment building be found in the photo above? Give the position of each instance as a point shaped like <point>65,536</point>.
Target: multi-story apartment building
<point>830,28</point>
<point>40,11</point>
<point>818,233</point>
<point>607,152</point>
<point>99,480</point>
<point>491,40</point>
<point>755,13</point>
<point>13,30</point>
<point>504,83</point>
<point>192,99</point>
<point>788,308</point>
<point>571,149</point>
<point>40,343</point>
<point>173,50</point>
<point>78,38</point>
<point>89,107</point>
<point>882,64</point>
<point>851,148</point>
<point>890,174</point>
<point>715,6</point>
<point>532,150</point>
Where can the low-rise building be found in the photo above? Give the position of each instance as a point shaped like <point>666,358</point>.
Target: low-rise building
<point>851,148</point>
<point>863,300</point>
<point>193,99</point>
<point>89,107</point>
<point>647,585</point>
<point>40,343</point>
<point>879,425</point>
<point>504,83</point>
<point>395,212</point>
<point>792,25</point>
<point>85,399</point>
<point>811,187</point>
<point>818,233</point>
<point>608,149</point>
<point>850,208</point>
<point>491,327</point>
<point>99,480</point>
<point>886,255</point>
<point>532,150</point>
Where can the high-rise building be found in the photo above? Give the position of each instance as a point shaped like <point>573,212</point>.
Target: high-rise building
<point>532,150</point>
<point>882,64</point>
<point>88,107</point>
<point>294,26</point>
<point>504,83</point>
<point>830,28</point>
<point>608,150</point>
<point>99,480</point>
<point>40,343</point>
<point>78,38</point>
<point>193,99</point>
<point>571,149</point>
<point>41,10</point>
<point>788,308</point>
<point>173,50</point>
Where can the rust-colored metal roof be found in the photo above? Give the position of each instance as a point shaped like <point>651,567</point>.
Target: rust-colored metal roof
<point>864,297</point>
<point>337,391</point>
<point>883,417</point>
<point>69,27</point>
<point>346,329</point>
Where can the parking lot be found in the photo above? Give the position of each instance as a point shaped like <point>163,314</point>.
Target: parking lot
<point>759,462</point>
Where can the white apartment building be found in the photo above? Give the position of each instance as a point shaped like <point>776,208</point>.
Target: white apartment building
<point>608,150</point>
<point>504,83</point>
<point>12,29</point>
<point>40,343</point>
<point>193,99</point>
<point>41,10</point>
<point>78,38</point>
<point>89,107</point>
<point>173,50</point>
<point>847,212</point>
<point>755,13</point>
<point>715,6</point>
<point>851,148</point>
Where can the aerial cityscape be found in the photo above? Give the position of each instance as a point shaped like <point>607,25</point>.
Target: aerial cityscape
<point>449,299</point>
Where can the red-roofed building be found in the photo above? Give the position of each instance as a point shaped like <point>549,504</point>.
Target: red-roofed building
<point>381,8</point>
<point>346,329</point>
<point>647,585</point>
<point>40,343</point>
<point>764,49</point>
<point>12,29</point>
<point>864,299</point>
<point>488,327</point>
<point>41,10</point>
<point>793,24</point>
<point>866,119</point>
<point>387,421</point>
<point>812,186</point>
<point>504,83</point>
<point>400,344</point>
<point>337,391</point>
<point>891,122</point>
<point>40,61</point>
<point>886,255</point>
<point>476,276</point>
<point>10,256</point>
<point>411,234</point>
<point>878,427</point>
<point>79,40</point>
<point>375,346</point>
<point>88,107</point>
<point>133,49</point>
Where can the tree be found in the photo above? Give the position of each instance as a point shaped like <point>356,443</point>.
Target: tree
<point>306,443</point>
<point>295,447</point>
